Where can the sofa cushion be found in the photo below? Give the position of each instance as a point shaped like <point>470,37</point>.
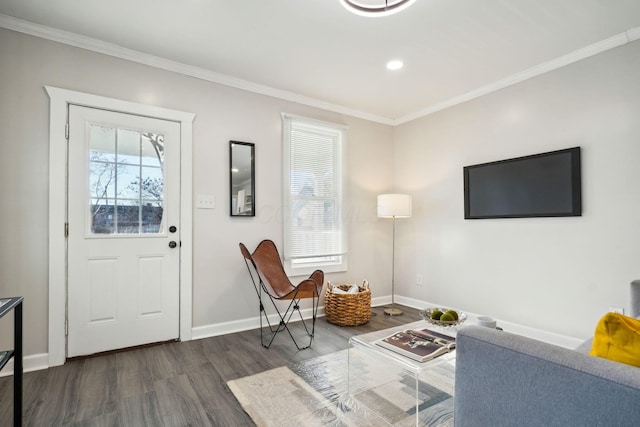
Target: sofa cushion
<point>617,337</point>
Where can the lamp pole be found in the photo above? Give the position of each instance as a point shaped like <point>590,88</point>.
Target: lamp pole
<point>394,206</point>
<point>393,311</point>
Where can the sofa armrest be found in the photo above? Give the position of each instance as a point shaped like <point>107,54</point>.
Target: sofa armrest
<point>504,379</point>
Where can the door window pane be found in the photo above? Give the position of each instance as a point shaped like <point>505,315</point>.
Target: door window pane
<point>103,216</point>
<point>102,143</point>
<point>102,167</point>
<point>151,217</point>
<point>128,218</point>
<point>152,183</point>
<point>152,149</point>
<point>128,185</point>
<point>128,146</point>
<point>102,182</point>
<point>126,181</point>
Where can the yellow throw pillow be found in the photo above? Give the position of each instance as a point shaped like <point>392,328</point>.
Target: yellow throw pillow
<point>617,337</point>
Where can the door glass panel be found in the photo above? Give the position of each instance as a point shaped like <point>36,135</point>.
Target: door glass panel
<point>128,219</point>
<point>152,149</point>
<point>152,183</point>
<point>151,216</point>
<point>128,185</point>
<point>126,181</point>
<point>128,146</point>
<point>102,182</point>
<point>103,216</point>
<point>102,178</point>
<point>102,143</point>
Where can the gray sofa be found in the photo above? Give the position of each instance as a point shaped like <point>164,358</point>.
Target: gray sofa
<point>504,379</point>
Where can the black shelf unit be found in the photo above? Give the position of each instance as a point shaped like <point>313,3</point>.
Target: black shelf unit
<point>15,304</point>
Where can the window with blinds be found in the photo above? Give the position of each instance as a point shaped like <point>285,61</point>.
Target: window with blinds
<point>314,226</point>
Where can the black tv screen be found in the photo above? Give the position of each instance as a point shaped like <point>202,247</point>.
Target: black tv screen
<point>541,185</point>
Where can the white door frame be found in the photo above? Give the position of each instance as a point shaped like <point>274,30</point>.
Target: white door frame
<point>59,100</point>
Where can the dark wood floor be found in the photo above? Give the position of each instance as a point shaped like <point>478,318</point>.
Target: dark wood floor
<point>173,384</point>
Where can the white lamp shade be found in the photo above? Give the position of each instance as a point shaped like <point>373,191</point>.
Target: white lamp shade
<point>394,206</point>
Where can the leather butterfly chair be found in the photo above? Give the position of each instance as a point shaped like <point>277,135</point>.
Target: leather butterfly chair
<point>270,280</point>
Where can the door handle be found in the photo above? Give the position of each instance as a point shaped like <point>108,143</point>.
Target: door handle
<point>172,244</point>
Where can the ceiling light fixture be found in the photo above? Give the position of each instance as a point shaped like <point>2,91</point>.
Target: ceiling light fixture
<point>376,7</point>
<point>396,64</point>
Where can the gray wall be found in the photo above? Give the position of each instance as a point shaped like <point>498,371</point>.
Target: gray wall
<point>554,274</point>
<point>221,291</point>
<point>558,275</point>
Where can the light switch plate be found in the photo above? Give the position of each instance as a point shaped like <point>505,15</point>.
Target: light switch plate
<point>205,202</point>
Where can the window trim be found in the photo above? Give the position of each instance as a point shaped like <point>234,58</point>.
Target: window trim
<point>328,267</point>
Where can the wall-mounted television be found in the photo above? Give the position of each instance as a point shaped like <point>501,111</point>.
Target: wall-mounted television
<point>540,185</point>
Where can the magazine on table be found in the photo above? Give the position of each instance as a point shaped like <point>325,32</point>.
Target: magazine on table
<point>419,344</point>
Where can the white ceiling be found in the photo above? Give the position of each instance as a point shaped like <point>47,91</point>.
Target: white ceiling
<point>315,51</point>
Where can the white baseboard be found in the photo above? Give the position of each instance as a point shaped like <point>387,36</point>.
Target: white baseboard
<point>378,301</point>
<point>208,331</point>
<point>40,361</point>
<point>526,331</point>
<point>224,328</point>
<point>33,362</point>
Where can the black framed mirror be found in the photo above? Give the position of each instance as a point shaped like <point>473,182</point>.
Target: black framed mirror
<point>242,199</point>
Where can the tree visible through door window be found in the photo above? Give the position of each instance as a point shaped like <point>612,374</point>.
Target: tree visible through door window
<point>126,184</point>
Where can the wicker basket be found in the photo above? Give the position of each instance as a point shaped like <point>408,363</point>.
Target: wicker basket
<point>348,309</point>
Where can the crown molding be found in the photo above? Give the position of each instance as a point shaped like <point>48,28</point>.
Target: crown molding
<point>537,70</point>
<point>113,50</point>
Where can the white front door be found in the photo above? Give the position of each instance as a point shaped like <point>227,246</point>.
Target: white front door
<point>124,230</point>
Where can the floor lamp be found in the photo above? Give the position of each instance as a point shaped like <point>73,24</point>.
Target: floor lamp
<point>394,206</point>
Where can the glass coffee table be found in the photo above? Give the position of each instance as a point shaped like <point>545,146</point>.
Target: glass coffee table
<point>398,389</point>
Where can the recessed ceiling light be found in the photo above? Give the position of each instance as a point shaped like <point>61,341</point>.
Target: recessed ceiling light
<point>396,64</point>
<point>376,7</point>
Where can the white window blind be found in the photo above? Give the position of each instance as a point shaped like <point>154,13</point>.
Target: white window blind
<point>314,229</point>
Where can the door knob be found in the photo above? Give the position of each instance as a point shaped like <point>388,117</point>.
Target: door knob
<point>172,244</point>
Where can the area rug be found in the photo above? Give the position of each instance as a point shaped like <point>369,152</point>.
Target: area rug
<point>315,393</point>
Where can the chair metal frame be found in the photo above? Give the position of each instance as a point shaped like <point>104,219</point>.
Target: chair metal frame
<point>269,278</point>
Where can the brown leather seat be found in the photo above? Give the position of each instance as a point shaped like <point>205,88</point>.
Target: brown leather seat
<point>268,277</point>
